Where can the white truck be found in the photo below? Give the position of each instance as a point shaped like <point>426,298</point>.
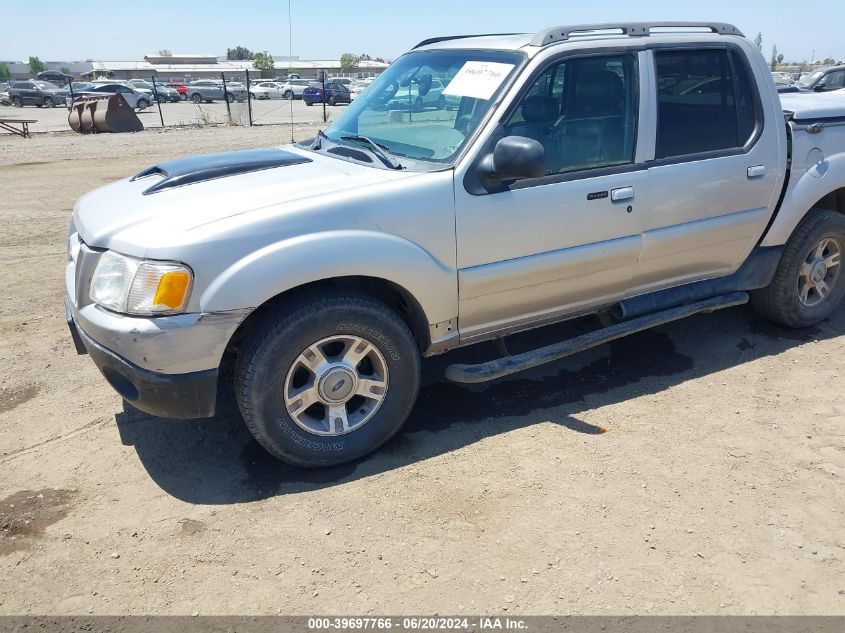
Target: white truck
<point>639,172</point>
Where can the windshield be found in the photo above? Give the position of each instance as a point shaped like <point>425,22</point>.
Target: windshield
<point>806,80</point>
<point>427,103</point>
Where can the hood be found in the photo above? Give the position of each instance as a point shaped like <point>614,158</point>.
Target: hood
<point>177,196</point>
<point>813,106</point>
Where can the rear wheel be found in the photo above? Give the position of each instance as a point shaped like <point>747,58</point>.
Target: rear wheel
<point>332,100</point>
<point>230,97</point>
<point>142,104</point>
<point>808,284</point>
<point>17,102</point>
<point>196,98</point>
<point>329,380</point>
<point>48,102</point>
<point>288,95</point>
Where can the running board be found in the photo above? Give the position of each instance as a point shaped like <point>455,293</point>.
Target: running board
<point>491,370</point>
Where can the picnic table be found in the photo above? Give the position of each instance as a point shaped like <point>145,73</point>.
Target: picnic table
<point>11,125</point>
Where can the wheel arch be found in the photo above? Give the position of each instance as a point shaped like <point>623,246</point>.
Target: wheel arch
<point>811,191</point>
<point>389,268</point>
<point>397,298</point>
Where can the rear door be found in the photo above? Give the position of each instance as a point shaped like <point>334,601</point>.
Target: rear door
<point>715,175</point>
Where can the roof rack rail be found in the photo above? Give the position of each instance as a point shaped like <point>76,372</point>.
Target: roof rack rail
<point>435,40</point>
<point>632,29</point>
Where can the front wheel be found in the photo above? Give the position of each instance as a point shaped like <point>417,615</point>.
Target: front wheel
<point>808,284</point>
<point>48,102</point>
<point>332,100</point>
<point>142,104</point>
<point>17,102</point>
<point>230,98</point>
<point>328,380</point>
<point>288,95</point>
<point>196,98</point>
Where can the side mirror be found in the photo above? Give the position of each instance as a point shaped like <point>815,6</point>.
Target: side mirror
<point>518,157</point>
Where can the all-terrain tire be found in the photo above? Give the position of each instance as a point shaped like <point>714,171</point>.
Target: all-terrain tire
<point>780,301</point>
<point>273,348</point>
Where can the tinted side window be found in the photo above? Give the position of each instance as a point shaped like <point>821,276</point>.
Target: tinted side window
<point>835,80</point>
<point>698,108</point>
<point>583,111</point>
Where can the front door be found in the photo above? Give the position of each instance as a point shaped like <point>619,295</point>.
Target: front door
<point>715,177</point>
<point>538,249</point>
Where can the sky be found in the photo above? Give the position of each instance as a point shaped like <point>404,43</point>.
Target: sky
<point>76,30</point>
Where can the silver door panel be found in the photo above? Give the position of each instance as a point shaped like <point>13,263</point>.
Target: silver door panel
<point>554,283</point>
<point>696,250</point>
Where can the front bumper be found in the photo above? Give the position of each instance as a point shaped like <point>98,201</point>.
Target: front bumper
<point>189,395</point>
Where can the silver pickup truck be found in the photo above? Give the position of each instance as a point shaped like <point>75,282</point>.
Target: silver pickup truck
<point>639,172</point>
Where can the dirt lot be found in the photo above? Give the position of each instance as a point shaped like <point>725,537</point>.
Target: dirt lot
<point>717,488</point>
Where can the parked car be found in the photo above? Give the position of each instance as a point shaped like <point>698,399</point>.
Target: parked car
<point>283,78</point>
<point>165,93</point>
<point>36,92</point>
<point>782,79</point>
<point>334,93</point>
<point>823,79</point>
<point>411,97</point>
<point>135,98</point>
<point>324,270</point>
<point>293,88</point>
<point>181,87</point>
<point>346,81</point>
<point>4,94</point>
<point>208,90</point>
<point>265,90</point>
<point>55,77</point>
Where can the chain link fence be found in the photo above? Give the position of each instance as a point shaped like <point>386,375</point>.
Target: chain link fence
<point>239,99</point>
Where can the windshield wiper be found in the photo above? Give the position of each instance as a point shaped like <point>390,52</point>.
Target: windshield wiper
<point>375,148</point>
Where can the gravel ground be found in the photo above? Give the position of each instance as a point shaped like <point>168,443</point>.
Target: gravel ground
<point>716,489</point>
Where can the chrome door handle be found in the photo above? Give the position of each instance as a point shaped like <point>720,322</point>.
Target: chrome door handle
<point>623,193</point>
<point>756,171</point>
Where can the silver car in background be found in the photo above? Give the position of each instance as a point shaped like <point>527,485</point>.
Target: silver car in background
<point>209,90</point>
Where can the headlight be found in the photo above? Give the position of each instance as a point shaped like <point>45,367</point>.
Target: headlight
<point>135,286</point>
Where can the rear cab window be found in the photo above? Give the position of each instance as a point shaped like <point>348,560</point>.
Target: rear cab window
<point>706,102</point>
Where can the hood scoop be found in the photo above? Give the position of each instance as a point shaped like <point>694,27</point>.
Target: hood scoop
<point>194,169</point>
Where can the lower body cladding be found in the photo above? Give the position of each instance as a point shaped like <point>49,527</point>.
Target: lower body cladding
<point>164,366</point>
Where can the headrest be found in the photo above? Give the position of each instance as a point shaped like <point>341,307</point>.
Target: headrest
<point>598,92</point>
<point>539,109</point>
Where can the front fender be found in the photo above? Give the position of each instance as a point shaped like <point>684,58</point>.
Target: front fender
<point>816,179</point>
<point>297,261</point>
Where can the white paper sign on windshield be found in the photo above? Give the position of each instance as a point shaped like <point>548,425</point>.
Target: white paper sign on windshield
<point>478,80</point>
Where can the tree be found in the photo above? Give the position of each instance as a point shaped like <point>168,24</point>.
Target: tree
<point>239,52</point>
<point>349,62</point>
<point>36,65</point>
<point>758,41</point>
<point>4,71</point>
<point>64,70</point>
<point>774,61</point>
<point>264,62</point>
<point>780,58</point>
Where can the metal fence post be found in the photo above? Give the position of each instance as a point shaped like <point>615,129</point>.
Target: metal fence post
<point>323,78</point>
<point>226,97</point>
<point>248,99</point>
<point>158,100</point>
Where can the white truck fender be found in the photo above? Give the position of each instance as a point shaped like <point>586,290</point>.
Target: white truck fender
<point>297,261</point>
<point>817,176</point>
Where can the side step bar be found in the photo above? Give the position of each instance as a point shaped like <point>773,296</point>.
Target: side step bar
<point>491,370</point>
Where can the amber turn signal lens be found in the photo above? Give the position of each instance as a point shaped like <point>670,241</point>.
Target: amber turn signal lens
<point>171,290</point>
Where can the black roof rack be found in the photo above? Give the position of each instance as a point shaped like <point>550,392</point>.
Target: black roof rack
<point>632,29</point>
<point>435,40</point>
